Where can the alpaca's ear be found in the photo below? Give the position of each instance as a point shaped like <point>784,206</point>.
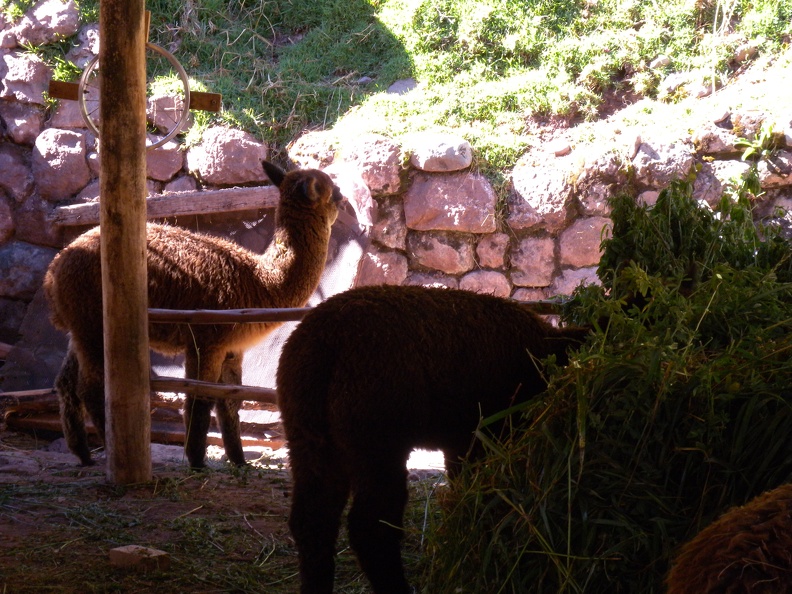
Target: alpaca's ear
<point>275,173</point>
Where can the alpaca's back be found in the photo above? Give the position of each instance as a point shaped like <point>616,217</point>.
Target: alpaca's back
<point>418,365</point>
<point>747,550</point>
<point>186,270</point>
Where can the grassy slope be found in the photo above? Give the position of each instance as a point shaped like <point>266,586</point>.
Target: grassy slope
<point>483,67</point>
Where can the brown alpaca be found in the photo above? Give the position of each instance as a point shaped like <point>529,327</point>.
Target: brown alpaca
<point>192,271</point>
<point>374,372</point>
<point>748,550</point>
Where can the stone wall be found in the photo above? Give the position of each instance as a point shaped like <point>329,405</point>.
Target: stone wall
<point>431,217</point>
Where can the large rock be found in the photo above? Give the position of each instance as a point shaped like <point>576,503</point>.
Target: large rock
<point>36,358</point>
<point>451,253</point>
<point>226,157</point>
<point>381,268</point>
<point>453,202</point>
<point>23,122</point>
<point>87,46</point>
<point>67,115</point>
<point>33,223</point>
<point>378,159</point>
<point>163,163</point>
<point>47,21</point>
<point>707,186</point>
<point>6,218</point>
<point>164,112</point>
<point>12,312</point>
<point>17,176</point>
<point>775,171</point>
<point>431,279</point>
<point>746,122</point>
<point>353,187</point>
<point>313,150</point>
<point>659,164</point>
<point>183,183</point>
<point>491,250</point>
<point>486,281</point>
<point>523,294</point>
<point>604,173</point>
<point>711,139</point>
<point>22,268</point>
<point>439,151</point>
<point>59,163</point>
<point>390,229</point>
<point>570,279</point>
<point>579,244</point>
<point>542,195</point>
<point>533,262</point>
<point>25,79</point>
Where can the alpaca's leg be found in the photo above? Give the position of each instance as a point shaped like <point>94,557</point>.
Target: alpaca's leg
<point>71,409</point>
<point>319,496</point>
<point>228,410</point>
<point>90,389</point>
<point>375,523</point>
<point>204,365</point>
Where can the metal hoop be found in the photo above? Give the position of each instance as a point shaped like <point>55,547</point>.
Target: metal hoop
<point>93,123</point>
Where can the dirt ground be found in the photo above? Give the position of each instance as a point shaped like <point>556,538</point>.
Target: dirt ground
<point>224,529</point>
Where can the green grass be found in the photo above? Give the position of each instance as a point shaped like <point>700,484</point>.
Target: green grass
<point>483,67</point>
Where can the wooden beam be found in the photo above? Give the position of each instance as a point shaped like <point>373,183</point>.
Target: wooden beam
<point>162,431</point>
<point>8,399</point>
<point>178,204</point>
<point>206,101</point>
<point>208,389</point>
<point>122,141</point>
<point>201,101</point>
<point>59,89</point>
<point>228,316</point>
<point>47,398</point>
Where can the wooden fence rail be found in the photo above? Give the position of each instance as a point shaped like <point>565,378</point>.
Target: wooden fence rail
<point>230,316</point>
<point>226,316</point>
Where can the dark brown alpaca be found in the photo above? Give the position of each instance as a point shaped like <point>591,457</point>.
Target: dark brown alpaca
<point>192,271</point>
<point>371,374</point>
<point>748,550</point>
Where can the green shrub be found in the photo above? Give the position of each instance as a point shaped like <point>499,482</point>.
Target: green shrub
<point>677,408</point>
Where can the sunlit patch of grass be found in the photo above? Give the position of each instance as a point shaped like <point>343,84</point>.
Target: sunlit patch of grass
<point>285,67</point>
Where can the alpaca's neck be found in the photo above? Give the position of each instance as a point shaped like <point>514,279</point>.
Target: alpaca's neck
<point>293,263</point>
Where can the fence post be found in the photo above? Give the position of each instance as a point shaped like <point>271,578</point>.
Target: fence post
<point>122,142</point>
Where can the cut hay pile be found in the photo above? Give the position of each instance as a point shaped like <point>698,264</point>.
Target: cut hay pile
<point>676,409</point>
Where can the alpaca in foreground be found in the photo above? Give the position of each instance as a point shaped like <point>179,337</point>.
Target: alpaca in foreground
<point>192,271</point>
<point>748,550</point>
<point>374,372</point>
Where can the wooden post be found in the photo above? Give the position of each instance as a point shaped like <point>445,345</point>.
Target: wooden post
<point>122,142</point>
